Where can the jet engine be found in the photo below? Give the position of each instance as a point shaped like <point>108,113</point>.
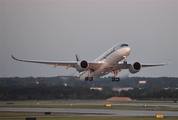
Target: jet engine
<point>82,65</point>
<point>135,67</point>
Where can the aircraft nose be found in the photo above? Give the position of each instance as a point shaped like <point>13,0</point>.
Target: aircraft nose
<point>127,50</point>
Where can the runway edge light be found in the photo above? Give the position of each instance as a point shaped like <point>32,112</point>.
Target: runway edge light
<point>107,105</point>
<point>159,116</point>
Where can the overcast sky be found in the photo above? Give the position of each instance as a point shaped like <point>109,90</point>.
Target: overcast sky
<point>57,30</point>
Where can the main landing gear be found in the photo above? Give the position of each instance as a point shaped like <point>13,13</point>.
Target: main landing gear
<point>88,78</point>
<point>117,79</point>
<point>115,72</point>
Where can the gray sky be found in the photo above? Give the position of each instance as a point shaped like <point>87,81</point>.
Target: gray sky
<point>57,30</point>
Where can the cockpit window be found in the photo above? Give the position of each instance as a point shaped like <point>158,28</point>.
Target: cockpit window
<point>123,45</point>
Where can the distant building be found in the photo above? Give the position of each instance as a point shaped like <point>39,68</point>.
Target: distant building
<point>170,88</point>
<point>142,82</point>
<point>96,88</point>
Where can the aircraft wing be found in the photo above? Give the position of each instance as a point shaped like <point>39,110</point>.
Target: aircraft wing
<point>121,66</point>
<point>54,63</point>
<point>154,65</point>
<point>67,64</point>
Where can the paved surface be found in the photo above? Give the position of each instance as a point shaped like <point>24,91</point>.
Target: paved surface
<point>93,112</point>
<point>151,104</point>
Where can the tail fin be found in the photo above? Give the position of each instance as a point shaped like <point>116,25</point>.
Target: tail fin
<point>77,57</point>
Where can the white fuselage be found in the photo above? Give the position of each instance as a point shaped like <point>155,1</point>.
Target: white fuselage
<point>109,59</point>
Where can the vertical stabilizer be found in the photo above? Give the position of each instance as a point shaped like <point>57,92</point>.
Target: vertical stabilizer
<point>77,57</point>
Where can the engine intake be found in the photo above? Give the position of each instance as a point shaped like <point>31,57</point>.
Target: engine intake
<point>135,67</point>
<point>82,65</point>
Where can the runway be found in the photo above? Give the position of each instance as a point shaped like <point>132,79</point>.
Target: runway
<point>150,104</point>
<point>91,112</point>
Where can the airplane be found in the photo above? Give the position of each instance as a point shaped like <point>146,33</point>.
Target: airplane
<point>112,61</point>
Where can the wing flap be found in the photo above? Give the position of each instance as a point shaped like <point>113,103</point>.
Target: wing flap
<point>94,65</point>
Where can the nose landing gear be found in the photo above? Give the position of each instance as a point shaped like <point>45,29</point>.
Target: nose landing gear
<point>125,59</point>
<point>115,71</point>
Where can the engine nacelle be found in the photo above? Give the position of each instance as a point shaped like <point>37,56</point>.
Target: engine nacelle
<point>82,65</point>
<point>135,67</point>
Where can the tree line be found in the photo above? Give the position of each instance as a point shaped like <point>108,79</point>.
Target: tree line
<point>43,92</point>
<point>171,82</point>
<point>155,92</point>
<point>56,88</point>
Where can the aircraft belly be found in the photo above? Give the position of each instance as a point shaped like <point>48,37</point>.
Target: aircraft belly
<point>96,74</point>
<point>115,57</point>
<point>103,70</point>
<point>110,63</point>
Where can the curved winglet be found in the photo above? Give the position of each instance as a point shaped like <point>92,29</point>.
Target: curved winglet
<point>15,58</point>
